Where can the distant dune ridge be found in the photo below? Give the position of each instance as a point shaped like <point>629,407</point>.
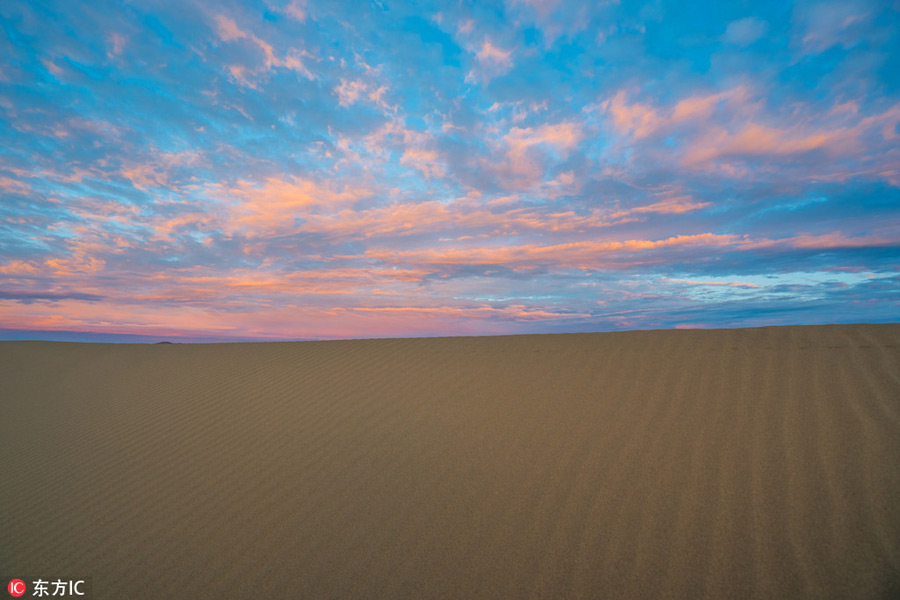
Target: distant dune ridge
<point>744,463</point>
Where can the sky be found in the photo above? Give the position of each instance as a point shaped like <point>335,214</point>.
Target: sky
<point>261,170</point>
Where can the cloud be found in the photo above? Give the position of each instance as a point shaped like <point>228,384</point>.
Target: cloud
<point>296,9</point>
<point>640,120</point>
<point>278,205</point>
<point>116,45</point>
<point>492,61</point>
<point>744,32</point>
<point>843,138</point>
<point>588,254</point>
<point>13,186</point>
<point>671,205</point>
<point>426,161</point>
<point>529,150</point>
<point>559,18</point>
<point>49,296</point>
<point>349,91</point>
<point>229,31</point>
<point>756,140</point>
<point>735,284</point>
<point>725,131</point>
<point>535,166</point>
<point>157,171</point>
<point>491,55</point>
<point>634,119</point>
<point>821,25</point>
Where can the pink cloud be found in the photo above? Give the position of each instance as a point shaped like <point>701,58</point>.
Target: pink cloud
<point>491,61</point>
<point>570,255</point>
<point>843,135</point>
<point>426,161</point>
<point>281,320</point>
<point>402,219</point>
<point>718,132</point>
<point>52,67</point>
<point>229,31</point>
<point>117,44</point>
<point>517,312</point>
<point>13,186</point>
<point>272,207</point>
<point>418,149</point>
<point>499,217</point>
<point>635,119</point>
<point>296,9</point>
<point>756,140</point>
<point>837,239</point>
<point>155,171</point>
<point>526,150</point>
<point>640,120</point>
<point>19,267</point>
<point>490,54</point>
<point>669,206</point>
<point>81,261</point>
<point>195,221</point>
<point>276,286</point>
<point>736,99</point>
<point>349,91</point>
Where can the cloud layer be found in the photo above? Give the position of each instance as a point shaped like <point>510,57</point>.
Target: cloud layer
<point>273,170</point>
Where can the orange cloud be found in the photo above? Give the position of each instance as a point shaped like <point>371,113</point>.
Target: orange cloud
<point>729,126</point>
<point>426,161</point>
<point>229,31</point>
<point>523,163</point>
<point>13,186</point>
<point>837,239</point>
<point>639,120</point>
<point>19,267</point>
<point>671,205</point>
<point>636,119</point>
<point>194,221</point>
<point>399,219</point>
<point>274,206</point>
<point>491,60</point>
<point>491,54</point>
<point>155,172</point>
<point>517,312</point>
<point>756,140</point>
<point>281,320</point>
<point>297,10</point>
<point>571,255</point>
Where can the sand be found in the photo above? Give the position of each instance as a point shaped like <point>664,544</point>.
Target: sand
<point>753,463</point>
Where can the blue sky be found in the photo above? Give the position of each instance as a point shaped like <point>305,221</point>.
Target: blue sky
<point>270,170</point>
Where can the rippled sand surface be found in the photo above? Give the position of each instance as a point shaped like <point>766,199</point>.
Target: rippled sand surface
<point>754,463</point>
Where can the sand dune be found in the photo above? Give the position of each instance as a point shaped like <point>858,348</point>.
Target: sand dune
<point>755,463</point>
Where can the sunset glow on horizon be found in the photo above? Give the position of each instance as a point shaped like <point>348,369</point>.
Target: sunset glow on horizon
<point>280,170</point>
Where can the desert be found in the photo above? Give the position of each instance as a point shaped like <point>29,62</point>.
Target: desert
<point>731,463</point>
